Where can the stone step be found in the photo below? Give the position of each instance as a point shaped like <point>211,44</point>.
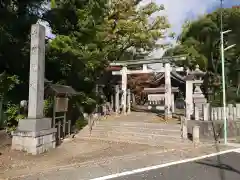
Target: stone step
<point>138,131</point>
<point>132,135</point>
<point>161,128</point>
<point>160,142</point>
<point>138,124</point>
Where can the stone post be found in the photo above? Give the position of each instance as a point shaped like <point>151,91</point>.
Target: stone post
<point>168,91</point>
<point>195,134</point>
<point>184,128</point>
<point>124,89</point>
<point>230,107</point>
<point>238,110</point>
<point>35,134</point>
<point>234,113</point>
<point>117,99</point>
<point>112,103</point>
<point>173,104</point>
<point>227,112</point>
<point>215,116</point>
<point>206,111</point>
<point>129,100</point>
<point>219,113</point>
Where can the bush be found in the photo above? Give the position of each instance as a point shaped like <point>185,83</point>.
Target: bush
<point>12,117</point>
<point>81,123</point>
<point>48,107</point>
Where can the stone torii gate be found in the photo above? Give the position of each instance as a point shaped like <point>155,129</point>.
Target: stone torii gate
<point>166,69</point>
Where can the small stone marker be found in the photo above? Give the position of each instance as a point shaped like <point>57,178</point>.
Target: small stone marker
<point>195,134</point>
<point>184,128</point>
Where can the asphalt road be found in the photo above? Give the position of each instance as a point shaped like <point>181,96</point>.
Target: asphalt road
<point>222,167</point>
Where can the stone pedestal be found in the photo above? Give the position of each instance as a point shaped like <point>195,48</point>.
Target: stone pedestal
<point>34,136</point>
<point>199,102</point>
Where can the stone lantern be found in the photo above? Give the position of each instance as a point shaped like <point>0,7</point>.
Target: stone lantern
<point>198,96</point>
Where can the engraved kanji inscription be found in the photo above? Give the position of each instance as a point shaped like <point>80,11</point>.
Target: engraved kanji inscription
<point>34,67</point>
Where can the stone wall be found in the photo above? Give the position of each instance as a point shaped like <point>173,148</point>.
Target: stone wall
<point>216,113</point>
<point>214,130</point>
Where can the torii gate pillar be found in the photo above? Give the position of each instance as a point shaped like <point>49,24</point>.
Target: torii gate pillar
<point>168,91</point>
<point>124,89</point>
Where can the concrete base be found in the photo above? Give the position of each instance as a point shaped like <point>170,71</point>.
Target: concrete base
<point>34,138</point>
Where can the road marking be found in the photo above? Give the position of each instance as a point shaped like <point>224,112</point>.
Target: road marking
<point>237,151</point>
<point>164,165</point>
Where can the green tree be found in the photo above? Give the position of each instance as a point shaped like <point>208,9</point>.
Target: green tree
<point>204,35</point>
<point>128,28</point>
<point>92,33</point>
<point>16,18</point>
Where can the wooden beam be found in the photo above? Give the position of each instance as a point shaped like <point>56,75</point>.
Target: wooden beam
<point>147,71</point>
<point>149,61</point>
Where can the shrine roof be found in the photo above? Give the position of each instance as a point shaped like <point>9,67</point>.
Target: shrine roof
<point>58,89</point>
<point>159,90</point>
<point>174,75</point>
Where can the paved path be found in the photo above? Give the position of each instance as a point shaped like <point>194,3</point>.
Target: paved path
<point>121,164</point>
<point>221,167</point>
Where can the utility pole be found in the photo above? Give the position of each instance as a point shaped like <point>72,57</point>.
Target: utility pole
<point>223,71</point>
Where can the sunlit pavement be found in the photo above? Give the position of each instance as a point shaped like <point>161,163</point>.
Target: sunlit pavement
<point>221,167</point>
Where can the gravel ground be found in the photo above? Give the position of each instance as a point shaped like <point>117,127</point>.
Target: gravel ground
<point>111,165</point>
<point>15,163</point>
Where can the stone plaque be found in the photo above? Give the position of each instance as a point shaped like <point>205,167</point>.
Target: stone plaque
<point>61,105</point>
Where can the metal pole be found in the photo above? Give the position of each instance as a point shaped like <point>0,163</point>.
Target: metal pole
<point>223,77</point>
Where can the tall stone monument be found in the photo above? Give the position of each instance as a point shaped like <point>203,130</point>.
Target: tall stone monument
<point>35,134</point>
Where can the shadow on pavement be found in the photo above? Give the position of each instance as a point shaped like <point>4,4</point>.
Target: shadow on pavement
<point>219,165</point>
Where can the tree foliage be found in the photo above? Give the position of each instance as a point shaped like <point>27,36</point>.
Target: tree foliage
<point>200,39</point>
<point>89,35</point>
<point>16,18</point>
<point>137,83</point>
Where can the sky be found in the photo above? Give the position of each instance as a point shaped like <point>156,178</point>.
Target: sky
<point>178,11</point>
